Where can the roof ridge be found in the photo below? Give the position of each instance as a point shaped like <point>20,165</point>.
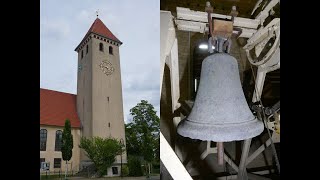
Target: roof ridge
<point>98,27</point>
<point>56,91</point>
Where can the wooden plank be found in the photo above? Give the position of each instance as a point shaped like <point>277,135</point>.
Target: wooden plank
<point>200,16</point>
<point>242,173</point>
<point>222,28</point>
<point>173,63</point>
<point>171,161</point>
<point>191,26</point>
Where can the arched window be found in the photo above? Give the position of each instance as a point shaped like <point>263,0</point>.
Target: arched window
<point>87,49</point>
<point>101,47</point>
<point>110,50</point>
<point>43,139</point>
<point>58,140</point>
<point>81,54</point>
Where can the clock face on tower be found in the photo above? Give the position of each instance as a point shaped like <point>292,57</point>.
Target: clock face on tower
<point>106,67</point>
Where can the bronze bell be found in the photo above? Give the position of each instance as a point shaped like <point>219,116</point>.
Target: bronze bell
<point>220,112</point>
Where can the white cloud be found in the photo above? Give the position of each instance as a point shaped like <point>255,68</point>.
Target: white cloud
<point>57,29</point>
<point>84,16</point>
<point>133,97</point>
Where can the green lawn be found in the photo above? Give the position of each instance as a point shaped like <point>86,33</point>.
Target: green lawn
<point>154,174</point>
<point>111,178</point>
<point>51,177</point>
<point>43,177</point>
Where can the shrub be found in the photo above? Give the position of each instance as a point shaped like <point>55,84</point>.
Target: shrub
<point>125,170</point>
<point>101,151</point>
<point>134,165</point>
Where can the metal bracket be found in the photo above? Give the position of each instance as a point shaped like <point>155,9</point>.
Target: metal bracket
<point>273,109</point>
<point>260,39</point>
<point>265,12</point>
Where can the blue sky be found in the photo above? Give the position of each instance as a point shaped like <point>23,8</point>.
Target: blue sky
<point>136,23</point>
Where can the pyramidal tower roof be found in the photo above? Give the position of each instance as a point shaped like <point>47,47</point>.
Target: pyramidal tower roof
<point>99,28</point>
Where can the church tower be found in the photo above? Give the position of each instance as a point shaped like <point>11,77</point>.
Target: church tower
<point>99,92</point>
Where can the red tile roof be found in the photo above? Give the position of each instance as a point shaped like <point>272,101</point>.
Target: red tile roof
<point>56,107</point>
<point>99,28</point>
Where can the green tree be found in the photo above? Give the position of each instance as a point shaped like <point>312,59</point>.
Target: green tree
<point>67,144</point>
<point>134,166</point>
<point>101,151</point>
<point>125,170</point>
<point>157,151</point>
<point>142,134</point>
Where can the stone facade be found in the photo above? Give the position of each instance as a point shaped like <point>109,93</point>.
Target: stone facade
<point>99,91</point>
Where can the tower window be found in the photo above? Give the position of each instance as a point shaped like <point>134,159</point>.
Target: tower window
<point>114,170</point>
<point>81,54</point>
<point>42,160</point>
<point>58,140</point>
<point>101,47</point>
<point>87,49</point>
<point>43,139</point>
<point>57,163</point>
<point>110,50</point>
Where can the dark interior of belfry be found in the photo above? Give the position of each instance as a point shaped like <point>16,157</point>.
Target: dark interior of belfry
<point>220,89</point>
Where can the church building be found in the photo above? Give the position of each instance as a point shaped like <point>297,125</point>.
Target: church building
<point>96,109</point>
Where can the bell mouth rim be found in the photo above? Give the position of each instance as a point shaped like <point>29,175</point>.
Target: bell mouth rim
<point>220,133</point>
<point>206,123</point>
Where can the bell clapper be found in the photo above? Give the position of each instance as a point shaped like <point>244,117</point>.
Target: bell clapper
<point>220,152</point>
